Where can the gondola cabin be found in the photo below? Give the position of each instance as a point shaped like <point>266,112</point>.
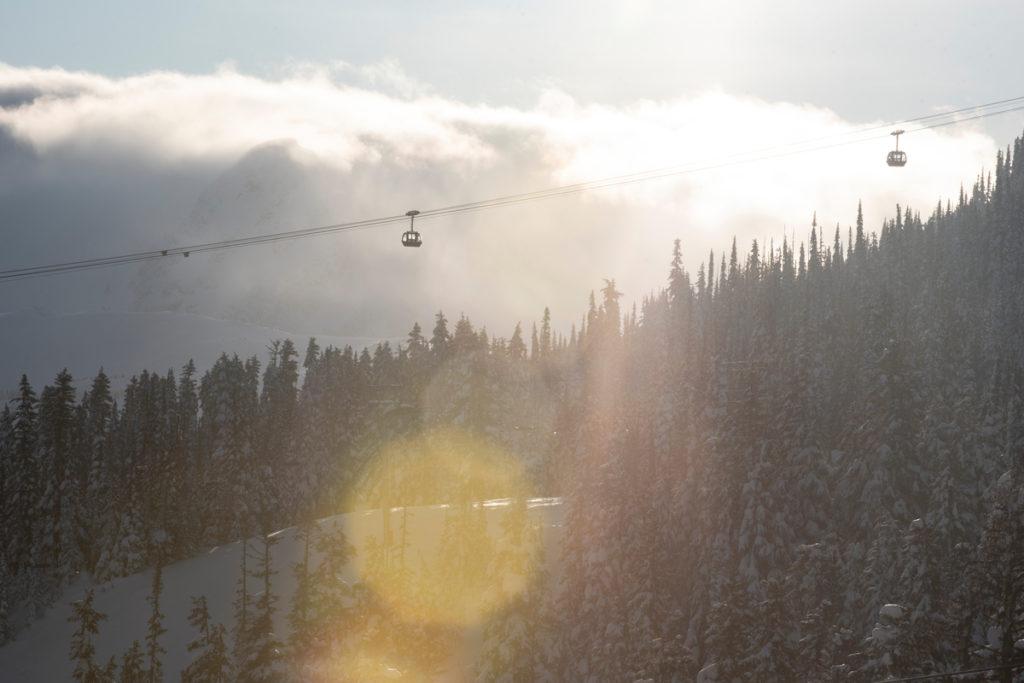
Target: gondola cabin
<point>411,238</point>
<point>897,157</point>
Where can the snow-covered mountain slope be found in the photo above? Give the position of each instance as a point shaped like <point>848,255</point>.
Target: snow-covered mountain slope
<point>40,344</point>
<point>41,652</point>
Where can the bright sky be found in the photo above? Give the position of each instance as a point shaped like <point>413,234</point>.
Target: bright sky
<point>129,126</point>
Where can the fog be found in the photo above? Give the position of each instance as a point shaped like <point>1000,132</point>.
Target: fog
<point>95,166</point>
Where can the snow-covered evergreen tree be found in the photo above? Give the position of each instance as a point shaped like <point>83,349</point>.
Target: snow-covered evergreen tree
<point>515,637</point>
<point>57,514</point>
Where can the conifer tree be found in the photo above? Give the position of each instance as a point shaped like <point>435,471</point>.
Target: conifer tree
<point>440,339</point>
<point>132,670</point>
<point>814,256</point>
<point>6,630</point>
<point>155,628</point>
<point>726,631</point>
<point>514,638</point>
<point>83,652</point>
<point>211,664</point>
<point>545,334</point>
<point>712,284</point>
<point>24,477</point>
<point>516,347</point>
<point>277,482</point>
<point>229,406</point>
<point>300,617</point>
<point>260,649</point>
<point>678,281</point>
<point>331,616</point>
<point>998,575</point>
<point>96,452</point>
<point>57,511</point>
<point>188,459</point>
<point>860,243</point>
<point>241,649</point>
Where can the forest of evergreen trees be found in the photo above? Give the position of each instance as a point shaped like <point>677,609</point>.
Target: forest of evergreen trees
<point>804,462</point>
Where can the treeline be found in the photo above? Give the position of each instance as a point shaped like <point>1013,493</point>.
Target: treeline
<point>805,462</point>
<point>808,463</point>
<point>181,463</point>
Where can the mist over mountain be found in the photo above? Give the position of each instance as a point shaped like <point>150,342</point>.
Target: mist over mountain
<point>96,166</point>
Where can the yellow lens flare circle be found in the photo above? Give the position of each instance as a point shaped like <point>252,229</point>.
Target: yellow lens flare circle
<point>442,529</point>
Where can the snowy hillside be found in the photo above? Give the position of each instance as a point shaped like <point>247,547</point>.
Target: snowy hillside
<point>40,344</point>
<point>40,653</point>
<point>804,463</point>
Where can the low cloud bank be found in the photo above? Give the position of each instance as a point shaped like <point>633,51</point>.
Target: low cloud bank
<point>95,166</point>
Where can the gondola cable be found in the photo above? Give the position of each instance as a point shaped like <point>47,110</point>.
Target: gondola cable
<point>779,151</point>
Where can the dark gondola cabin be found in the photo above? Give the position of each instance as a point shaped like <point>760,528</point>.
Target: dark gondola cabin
<point>897,157</point>
<point>411,238</point>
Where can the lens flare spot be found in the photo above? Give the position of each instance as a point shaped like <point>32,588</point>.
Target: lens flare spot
<point>442,527</point>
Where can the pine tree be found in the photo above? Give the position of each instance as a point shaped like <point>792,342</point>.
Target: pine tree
<point>57,511</point>
<point>464,587</point>
<point>155,629</point>
<point>545,333</point>
<point>229,408</point>
<point>132,670</point>
<point>440,339</point>
<point>8,485</point>
<point>187,455</point>
<point>97,452</point>
<point>516,347</point>
<point>87,620</point>
<point>678,280</point>
<point>712,283</point>
<point>276,483</point>
<point>332,607</point>
<point>999,573</point>
<point>300,617</point>
<point>260,648</point>
<point>814,256</point>
<point>727,627</point>
<point>6,594</point>
<point>860,243</point>
<point>24,479</point>
<point>774,652</point>
<point>211,664</point>
<point>514,638</point>
<point>243,615</point>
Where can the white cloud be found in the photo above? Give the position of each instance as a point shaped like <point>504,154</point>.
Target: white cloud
<point>390,144</point>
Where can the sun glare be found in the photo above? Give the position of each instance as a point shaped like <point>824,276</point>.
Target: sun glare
<point>430,547</point>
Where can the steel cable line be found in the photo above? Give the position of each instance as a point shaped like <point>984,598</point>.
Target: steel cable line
<point>20,273</point>
<point>800,147</point>
<point>722,162</point>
